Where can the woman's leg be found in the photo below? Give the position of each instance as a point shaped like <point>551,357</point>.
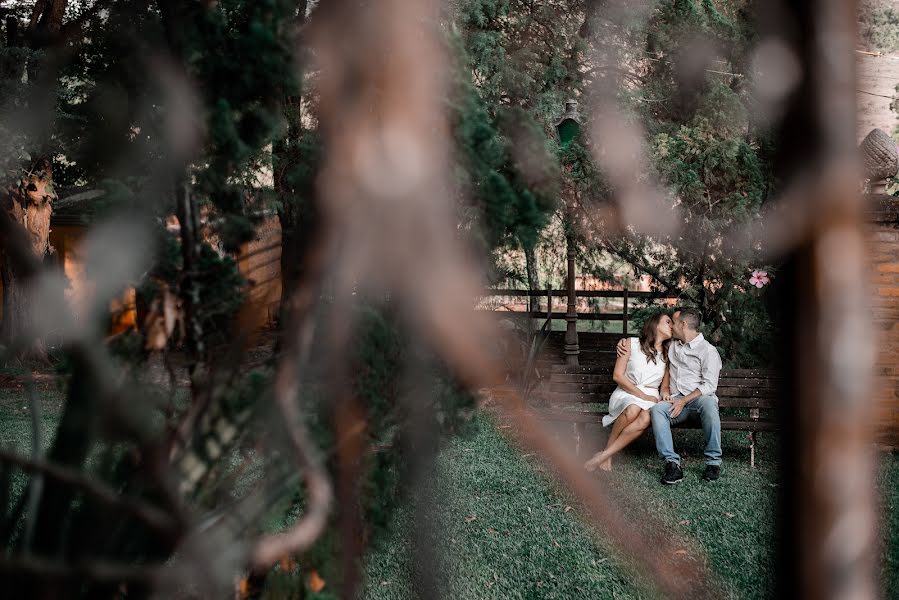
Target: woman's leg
<point>628,435</point>
<point>630,412</point>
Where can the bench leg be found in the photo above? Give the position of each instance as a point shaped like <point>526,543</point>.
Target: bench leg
<point>578,433</point>
<point>752,449</point>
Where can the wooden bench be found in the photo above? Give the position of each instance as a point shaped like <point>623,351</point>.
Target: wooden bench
<point>746,399</point>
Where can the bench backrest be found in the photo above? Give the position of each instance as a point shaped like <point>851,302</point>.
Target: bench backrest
<point>737,388</point>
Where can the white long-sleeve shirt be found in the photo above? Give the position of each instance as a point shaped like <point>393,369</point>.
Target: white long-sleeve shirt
<point>693,366</point>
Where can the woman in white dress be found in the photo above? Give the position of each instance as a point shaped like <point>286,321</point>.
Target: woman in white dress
<point>639,376</point>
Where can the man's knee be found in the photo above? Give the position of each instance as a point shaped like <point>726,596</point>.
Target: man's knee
<point>661,410</point>
<point>707,404</point>
<point>708,407</point>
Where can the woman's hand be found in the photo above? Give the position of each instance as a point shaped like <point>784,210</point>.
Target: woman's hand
<point>666,396</point>
<point>648,398</point>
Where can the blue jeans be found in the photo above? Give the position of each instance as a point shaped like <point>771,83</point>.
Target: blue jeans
<point>704,408</point>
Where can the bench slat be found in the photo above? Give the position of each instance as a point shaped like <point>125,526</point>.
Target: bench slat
<point>733,373</point>
<point>743,402</point>
<point>766,382</point>
<point>607,388</point>
<point>572,398</point>
<point>746,392</point>
<point>751,373</point>
<point>603,378</point>
<point>749,425</point>
<point>723,401</point>
<point>727,423</point>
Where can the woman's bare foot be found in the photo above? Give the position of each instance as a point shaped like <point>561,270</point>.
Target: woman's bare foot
<point>599,461</point>
<point>594,463</point>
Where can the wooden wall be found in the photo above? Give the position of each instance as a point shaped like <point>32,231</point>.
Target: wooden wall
<point>883,253</point>
<point>259,262</point>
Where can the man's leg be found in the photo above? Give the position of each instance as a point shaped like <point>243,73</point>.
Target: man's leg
<point>706,408</point>
<point>660,415</point>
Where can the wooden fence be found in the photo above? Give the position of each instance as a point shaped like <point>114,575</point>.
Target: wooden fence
<point>624,294</point>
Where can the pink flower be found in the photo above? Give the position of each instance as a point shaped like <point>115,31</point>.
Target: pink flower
<point>759,279</point>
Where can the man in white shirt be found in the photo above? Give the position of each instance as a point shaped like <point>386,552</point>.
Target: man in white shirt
<point>694,365</point>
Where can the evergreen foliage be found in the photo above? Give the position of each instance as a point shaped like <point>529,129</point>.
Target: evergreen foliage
<point>714,160</point>
<point>878,24</point>
<point>513,202</point>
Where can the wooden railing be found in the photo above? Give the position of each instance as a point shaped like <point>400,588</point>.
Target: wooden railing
<point>624,294</point>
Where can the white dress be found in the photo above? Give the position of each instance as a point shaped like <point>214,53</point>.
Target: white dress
<point>645,374</point>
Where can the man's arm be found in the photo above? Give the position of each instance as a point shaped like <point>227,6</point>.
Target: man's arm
<point>710,371</point>
<point>665,390</point>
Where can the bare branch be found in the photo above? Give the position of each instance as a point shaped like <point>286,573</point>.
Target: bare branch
<point>146,513</point>
<point>307,529</point>
<point>93,570</point>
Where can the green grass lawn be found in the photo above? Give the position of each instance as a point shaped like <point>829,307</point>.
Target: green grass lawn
<point>510,532</point>
<point>507,529</point>
<point>15,411</point>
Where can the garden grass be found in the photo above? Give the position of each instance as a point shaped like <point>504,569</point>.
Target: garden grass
<point>510,531</point>
<point>888,485</point>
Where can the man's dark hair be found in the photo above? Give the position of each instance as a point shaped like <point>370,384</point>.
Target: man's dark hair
<point>691,316</point>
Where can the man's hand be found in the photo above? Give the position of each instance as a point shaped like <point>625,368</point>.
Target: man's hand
<point>623,348</point>
<point>666,396</point>
<point>677,407</point>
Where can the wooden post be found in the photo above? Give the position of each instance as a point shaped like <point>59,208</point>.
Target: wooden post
<point>578,442</point>
<point>624,327</point>
<point>754,414</point>
<point>549,307</point>
<point>752,449</point>
<point>572,349</point>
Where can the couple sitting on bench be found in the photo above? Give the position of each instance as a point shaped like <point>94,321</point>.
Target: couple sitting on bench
<point>665,382</point>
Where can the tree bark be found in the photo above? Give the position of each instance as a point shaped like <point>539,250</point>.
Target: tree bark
<point>45,23</point>
<point>190,255</point>
<point>12,32</point>
<point>28,208</point>
<point>282,162</point>
<point>295,222</point>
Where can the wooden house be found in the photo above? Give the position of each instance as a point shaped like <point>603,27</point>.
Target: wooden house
<point>259,262</point>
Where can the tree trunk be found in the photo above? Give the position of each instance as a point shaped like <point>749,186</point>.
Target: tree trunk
<point>190,255</point>
<point>17,316</point>
<point>290,242</point>
<point>45,22</point>
<point>28,207</point>
<point>294,227</point>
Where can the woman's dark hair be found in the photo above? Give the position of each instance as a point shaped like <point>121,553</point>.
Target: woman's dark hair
<point>648,338</point>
